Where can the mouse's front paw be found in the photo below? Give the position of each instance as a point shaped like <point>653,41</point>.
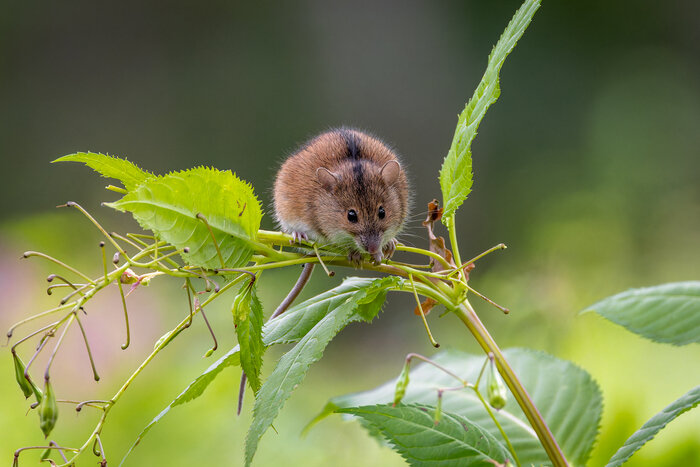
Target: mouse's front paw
<point>355,257</point>
<point>298,237</point>
<point>390,248</point>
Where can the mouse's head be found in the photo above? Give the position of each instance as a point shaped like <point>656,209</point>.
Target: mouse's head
<point>365,204</point>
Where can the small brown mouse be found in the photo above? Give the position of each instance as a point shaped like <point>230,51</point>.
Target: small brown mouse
<point>345,188</point>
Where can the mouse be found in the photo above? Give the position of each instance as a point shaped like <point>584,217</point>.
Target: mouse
<point>344,188</point>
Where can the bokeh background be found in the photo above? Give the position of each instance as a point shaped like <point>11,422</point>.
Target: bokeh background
<point>587,168</point>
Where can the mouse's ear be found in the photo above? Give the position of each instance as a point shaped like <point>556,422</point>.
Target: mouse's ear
<point>326,178</point>
<point>390,172</point>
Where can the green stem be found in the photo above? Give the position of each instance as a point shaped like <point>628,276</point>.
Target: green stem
<point>453,241</point>
<point>455,249</point>
<point>182,325</point>
<point>429,253</point>
<point>500,246</point>
<point>465,313</point>
<point>498,425</point>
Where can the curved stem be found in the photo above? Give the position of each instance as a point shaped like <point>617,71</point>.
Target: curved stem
<point>183,324</point>
<point>465,313</point>
<point>420,251</point>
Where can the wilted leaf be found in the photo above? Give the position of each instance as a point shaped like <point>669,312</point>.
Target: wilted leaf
<point>436,244</point>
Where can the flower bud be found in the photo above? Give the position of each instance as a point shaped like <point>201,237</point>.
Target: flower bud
<point>401,383</point>
<point>24,384</point>
<point>48,410</point>
<point>495,388</point>
<point>129,277</point>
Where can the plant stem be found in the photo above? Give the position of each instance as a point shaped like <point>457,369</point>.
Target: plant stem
<point>465,313</point>
<point>455,249</point>
<point>428,253</point>
<point>183,324</point>
<point>498,425</point>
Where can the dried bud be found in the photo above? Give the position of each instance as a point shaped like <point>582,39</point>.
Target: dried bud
<point>24,384</point>
<point>495,388</point>
<point>48,410</point>
<point>402,383</point>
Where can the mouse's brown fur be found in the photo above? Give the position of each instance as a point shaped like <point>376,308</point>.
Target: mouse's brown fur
<point>338,172</point>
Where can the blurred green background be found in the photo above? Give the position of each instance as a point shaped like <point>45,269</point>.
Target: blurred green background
<point>587,168</point>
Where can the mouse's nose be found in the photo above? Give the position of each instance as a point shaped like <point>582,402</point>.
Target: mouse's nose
<point>373,246</point>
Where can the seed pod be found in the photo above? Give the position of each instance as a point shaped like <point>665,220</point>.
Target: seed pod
<point>48,410</point>
<point>24,384</point>
<point>401,383</point>
<point>495,388</point>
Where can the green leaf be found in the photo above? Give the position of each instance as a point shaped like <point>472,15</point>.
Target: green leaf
<point>566,396</point>
<point>412,431</point>
<point>668,313</point>
<point>289,327</point>
<point>110,167</point>
<point>293,365</point>
<point>298,320</point>
<point>456,171</point>
<point>688,401</point>
<point>249,323</point>
<point>168,205</point>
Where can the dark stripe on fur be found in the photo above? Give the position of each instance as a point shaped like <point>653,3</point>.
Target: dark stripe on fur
<point>352,145</point>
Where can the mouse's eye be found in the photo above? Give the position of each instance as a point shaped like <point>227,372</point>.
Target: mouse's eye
<point>352,216</point>
<point>381,212</point>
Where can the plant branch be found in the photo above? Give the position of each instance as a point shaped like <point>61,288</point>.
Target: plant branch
<point>465,313</point>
